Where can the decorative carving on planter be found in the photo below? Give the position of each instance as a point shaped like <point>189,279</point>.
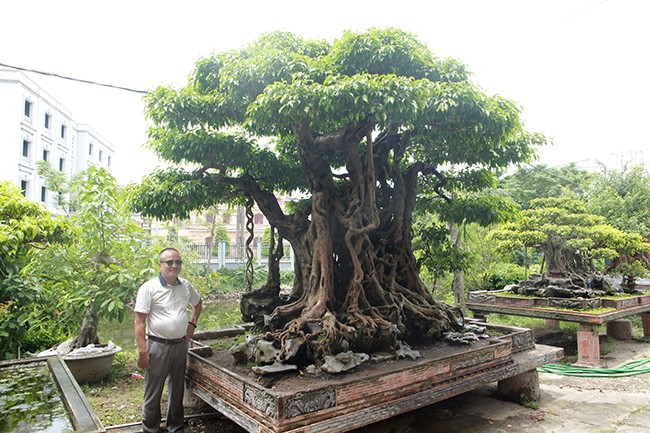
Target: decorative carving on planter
<point>308,402</point>
<point>260,400</point>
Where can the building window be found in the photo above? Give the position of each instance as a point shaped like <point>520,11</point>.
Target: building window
<point>46,155</point>
<point>23,187</point>
<point>63,131</point>
<point>43,194</point>
<point>109,161</point>
<point>61,164</point>
<point>48,118</point>
<point>26,148</point>
<point>90,149</point>
<point>101,155</point>
<point>28,108</point>
<point>258,218</point>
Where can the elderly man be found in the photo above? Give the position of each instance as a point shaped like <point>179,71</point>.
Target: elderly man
<point>162,332</point>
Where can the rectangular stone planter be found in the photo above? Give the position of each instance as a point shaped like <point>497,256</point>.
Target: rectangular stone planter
<point>79,411</point>
<point>343,402</point>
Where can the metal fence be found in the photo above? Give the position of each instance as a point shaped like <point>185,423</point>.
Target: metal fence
<point>224,255</point>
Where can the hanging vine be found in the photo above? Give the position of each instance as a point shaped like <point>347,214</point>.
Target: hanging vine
<point>250,228</point>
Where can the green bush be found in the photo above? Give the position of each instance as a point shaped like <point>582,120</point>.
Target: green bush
<point>227,280</point>
<point>502,274</point>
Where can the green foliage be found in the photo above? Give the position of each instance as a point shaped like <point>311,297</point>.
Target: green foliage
<point>435,251</point>
<point>623,198</point>
<point>541,181</point>
<point>101,270</point>
<point>25,228</point>
<point>382,77</point>
<point>483,209</point>
<point>502,274</point>
<point>56,181</point>
<point>570,238</point>
<point>489,268</point>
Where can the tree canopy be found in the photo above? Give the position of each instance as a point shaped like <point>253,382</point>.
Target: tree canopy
<point>623,197</point>
<point>363,127</point>
<point>25,228</point>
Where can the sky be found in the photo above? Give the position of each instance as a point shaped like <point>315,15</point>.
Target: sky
<point>577,68</point>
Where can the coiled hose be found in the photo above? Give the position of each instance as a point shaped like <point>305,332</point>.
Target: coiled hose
<point>629,368</point>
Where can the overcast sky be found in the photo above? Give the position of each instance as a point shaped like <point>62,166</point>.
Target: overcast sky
<point>579,69</point>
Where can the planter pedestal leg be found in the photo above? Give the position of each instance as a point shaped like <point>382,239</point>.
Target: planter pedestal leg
<point>553,324</point>
<point>620,329</point>
<point>588,346</point>
<point>645,319</point>
<point>521,388</point>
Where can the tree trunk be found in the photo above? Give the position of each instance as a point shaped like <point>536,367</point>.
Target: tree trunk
<point>88,332</point>
<point>357,283</point>
<point>458,283</point>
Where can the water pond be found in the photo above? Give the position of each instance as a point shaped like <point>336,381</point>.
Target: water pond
<point>30,401</point>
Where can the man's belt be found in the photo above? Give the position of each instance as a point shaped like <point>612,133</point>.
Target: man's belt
<point>165,340</point>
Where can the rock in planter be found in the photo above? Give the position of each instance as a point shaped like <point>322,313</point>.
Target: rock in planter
<point>343,362</point>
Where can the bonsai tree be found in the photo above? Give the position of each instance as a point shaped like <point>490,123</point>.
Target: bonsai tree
<point>572,240</point>
<point>93,276</point>
<point>362,127</point>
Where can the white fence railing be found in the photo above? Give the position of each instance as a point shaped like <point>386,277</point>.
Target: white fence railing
<point>224,255</point>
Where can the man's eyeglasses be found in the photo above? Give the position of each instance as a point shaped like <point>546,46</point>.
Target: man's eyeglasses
<point>171,262</point>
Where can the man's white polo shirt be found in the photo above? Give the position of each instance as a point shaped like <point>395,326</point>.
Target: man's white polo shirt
<point>166,306</point>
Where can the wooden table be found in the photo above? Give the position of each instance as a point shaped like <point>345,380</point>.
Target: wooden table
<point>588,341</point>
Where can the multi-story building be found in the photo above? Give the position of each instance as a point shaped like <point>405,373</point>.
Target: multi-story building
<point>35,126</point>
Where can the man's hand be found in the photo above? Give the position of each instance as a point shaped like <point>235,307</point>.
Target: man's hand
<point>143,360</point>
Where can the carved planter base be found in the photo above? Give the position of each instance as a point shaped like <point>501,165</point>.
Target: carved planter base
<point>372,392</point>
<point>567,310</point>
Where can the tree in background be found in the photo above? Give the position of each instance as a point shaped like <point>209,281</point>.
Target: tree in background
<point>441,230</point>
<point>362,127</point>
<point>25,228</point>
<point>541,181</point>
<point>623,198</point>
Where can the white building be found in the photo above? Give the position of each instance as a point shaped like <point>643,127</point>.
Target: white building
<point>34,126</point>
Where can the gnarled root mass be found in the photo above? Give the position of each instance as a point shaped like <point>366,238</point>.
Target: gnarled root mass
<point>361,305</point>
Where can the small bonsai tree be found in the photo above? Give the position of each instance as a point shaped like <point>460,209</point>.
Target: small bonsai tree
<point>572,240</point>
<point>96,274</point>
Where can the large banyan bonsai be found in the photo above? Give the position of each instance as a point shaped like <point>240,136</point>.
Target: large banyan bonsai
<point>361,127</point>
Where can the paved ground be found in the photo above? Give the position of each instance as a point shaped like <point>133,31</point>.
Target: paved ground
<point>569,405</point>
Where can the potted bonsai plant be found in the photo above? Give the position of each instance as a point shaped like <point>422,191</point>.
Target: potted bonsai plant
<point>94,276</point>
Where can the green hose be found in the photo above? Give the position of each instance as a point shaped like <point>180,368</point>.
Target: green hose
<point>630,368</point>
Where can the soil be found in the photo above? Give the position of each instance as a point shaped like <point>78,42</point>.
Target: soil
<point>568,405</point>
<point>293,382</point>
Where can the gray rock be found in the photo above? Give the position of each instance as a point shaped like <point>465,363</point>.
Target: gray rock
<point>276,367</point>
<point>343,362</point>
<point>265,352</point>
<point>404,351</point>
